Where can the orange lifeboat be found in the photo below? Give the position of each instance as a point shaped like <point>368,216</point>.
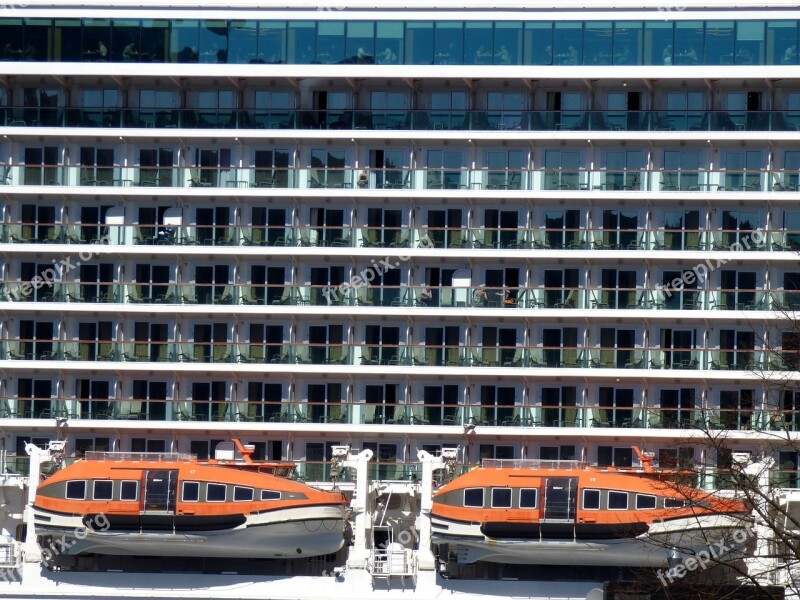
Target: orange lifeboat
<point>176,505</point>
<point>565,513</point>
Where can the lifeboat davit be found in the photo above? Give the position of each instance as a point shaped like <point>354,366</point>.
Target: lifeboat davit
<point>565,513</point>
<point>127,504</point>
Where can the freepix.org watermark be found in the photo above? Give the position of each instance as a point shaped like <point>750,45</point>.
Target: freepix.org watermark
<point>334,294</point>
<point>60,545</point>
<point>700,272</point>
<point>47,278</point>
<point>715,553</point>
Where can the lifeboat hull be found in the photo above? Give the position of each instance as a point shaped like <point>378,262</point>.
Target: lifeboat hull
<point>287,533</point>
<point>661,546</point>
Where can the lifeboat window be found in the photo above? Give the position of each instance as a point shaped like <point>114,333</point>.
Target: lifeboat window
<point>617,500</point>
<point>501,498</point>
<point>76,490</point>
<point>473,497</point>
<point>674,503</point>
<point>528,498</point>
<point>242,494</point>
<point>215,492</point>
<point>129,491</point>
<point>270,495</point>
<point>190,491</point>
<point>645,502</point>
<point>591,499</point>
<point>103,490</point>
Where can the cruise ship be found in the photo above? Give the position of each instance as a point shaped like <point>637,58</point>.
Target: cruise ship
<point>374,239</point>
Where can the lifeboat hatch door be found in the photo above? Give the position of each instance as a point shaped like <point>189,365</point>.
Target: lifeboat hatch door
<point>160,488</point>
<point>560,497</point>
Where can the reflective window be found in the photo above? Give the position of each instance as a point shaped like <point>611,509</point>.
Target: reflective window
<point>76,490</point>
<point>568,44</point>
<point>272,43</point>
<point>597,43</point>
<point>617,500</point>
<point>527,497</point>
<point>270,495</point>
<point>129,491</point>
<point>103,490</point>
<point>302,40</point>
<point>781,47</point>
<point>658,42</point>
<point>183,42</point>
<point>243,43</point>
<point>591,499</point>
<point>688,43</point>
<point>449,43</point>
<point>749,43</point>
<point>508,43</point>
<point>330,42</point>
<point>627,43</point>
<point>658,47</point>
<point>360,43</point>
<point>215,492</point>
<point>190,491</point>
<point>501,498</point>
<point>719,43</point>
<point>538,44</point>
<point>473,497</point>
<point>213,40</point>
<point>645,502</point>
<point>242,494</point>
<point>479,44</point>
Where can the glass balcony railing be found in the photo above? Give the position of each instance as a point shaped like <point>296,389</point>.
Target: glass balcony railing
<point>670,296</point>
<point>567,414</point>
<point>404,120</point>
<point>171,232</point>
<point>411,354</point>
<point>505,180</point>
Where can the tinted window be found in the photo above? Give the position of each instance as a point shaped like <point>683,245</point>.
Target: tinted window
<point>617,500</point>
<point>673,503</point>
<point>527,498</point>
<point>191,491</point>
<point>591,499</point>
<point>645,502</point>
<point>215,492</point>
<point>103,490</point>
<point>473,497</point>
<point>129,490</point>
<point>501,498</point>
<point>76,490</point>
<point>242,494</point>
<point>270,495</point>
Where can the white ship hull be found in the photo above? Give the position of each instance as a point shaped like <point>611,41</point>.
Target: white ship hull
<point>663,544</point>
<point>288,533</point>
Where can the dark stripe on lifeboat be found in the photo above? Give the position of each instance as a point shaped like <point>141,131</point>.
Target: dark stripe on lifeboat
<point>559,531</point>
<point>165,522</point>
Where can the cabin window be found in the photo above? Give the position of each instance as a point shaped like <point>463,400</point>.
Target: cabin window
<point>674,503</point>
<point>617,501</point>
<point>270,495</point>
<point>473,497</point>
<point>501,498</point>
<point>191,491</point>
<point>645,502</point>
<point>591,499</point>
<point>215,492</point>
<point>528,497</point>
<point>103,490</point>
<point>242,494</point>
<point>129,491</point>
<point>76,490</point>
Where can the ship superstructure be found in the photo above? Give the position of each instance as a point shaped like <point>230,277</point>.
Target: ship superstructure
<point>546,232</point>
